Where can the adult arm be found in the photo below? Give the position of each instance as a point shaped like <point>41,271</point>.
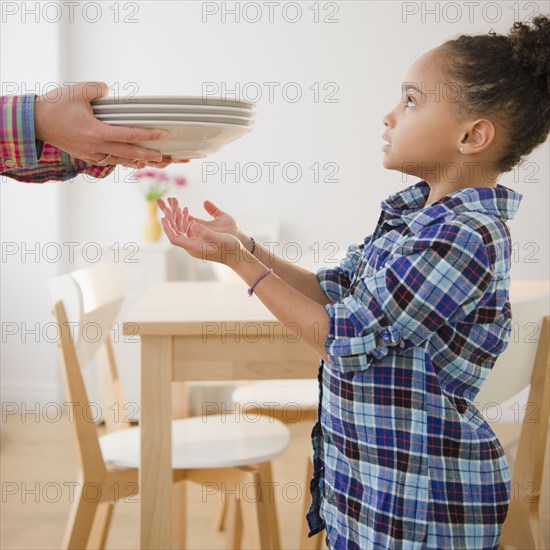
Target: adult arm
<point>56,136</point>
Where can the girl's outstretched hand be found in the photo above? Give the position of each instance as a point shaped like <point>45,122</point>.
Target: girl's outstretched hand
<point>195,238</point>
<point>222,222</point>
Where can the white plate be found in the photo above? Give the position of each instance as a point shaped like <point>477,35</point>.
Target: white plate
<point>170,108</point>
<point>179,100</point>
<point>244,121</point>
<point>188,140</point>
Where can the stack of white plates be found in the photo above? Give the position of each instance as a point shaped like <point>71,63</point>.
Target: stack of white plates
<point>197,126</point>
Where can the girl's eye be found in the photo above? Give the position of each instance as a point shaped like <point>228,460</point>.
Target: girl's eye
<point>410,99</point>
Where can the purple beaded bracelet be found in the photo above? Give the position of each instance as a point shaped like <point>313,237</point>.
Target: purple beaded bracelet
<point>251,289</point>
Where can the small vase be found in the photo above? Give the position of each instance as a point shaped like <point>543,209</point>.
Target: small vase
<point>153,228</point>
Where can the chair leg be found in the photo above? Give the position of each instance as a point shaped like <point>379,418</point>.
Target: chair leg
<point>100,526</point>
<point>268,492</point>
<point>521,529</point>
<point>81,518</point>
<point>255,508</point>
<point>219,522</point>
<point>234,536</point>
<point>179,514</point>
<point>305,543</point>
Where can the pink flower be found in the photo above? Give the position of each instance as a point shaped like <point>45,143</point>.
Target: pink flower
<point>157,182</point>
<point>146,173</point>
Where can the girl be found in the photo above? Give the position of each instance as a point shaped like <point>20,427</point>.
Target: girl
<point>414,317</point>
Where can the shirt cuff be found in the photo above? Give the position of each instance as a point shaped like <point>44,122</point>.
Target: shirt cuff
<point>18,147</point>
<point>357,335</point>
<point>333,282</point>
<point>72,167</point>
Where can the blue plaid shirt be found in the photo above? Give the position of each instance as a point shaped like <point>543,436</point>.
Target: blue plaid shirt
<point>420,311</point>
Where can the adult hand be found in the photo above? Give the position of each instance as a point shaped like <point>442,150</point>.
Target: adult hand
<point>64,117</point>
<point>195,238</point>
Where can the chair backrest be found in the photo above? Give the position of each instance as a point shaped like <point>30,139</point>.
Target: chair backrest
<point>86,303</point>
<point>525,362</point>
<point>92,299</point>
<point>522,528</point>
<point>512,370</point>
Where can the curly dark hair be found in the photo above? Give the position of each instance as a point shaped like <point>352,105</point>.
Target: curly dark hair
<point>505,78</point>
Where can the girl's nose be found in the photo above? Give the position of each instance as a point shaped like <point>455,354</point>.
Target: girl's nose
<point>387,120</point>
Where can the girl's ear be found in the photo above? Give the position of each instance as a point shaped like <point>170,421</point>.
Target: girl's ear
<point>481,136</point>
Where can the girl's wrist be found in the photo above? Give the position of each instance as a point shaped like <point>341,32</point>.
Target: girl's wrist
<point>245,239</point>
<point>247,242</point>
<point>242,260</point>
<point>236,256</point>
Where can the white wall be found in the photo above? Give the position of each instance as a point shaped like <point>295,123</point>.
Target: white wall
<point>29,220</point>
<point>367,53</point>
<point>170,50</point>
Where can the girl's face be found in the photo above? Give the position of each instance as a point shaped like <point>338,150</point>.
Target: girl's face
<point>423,130</point>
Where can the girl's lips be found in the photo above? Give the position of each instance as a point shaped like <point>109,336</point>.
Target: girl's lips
<point>386,146</point>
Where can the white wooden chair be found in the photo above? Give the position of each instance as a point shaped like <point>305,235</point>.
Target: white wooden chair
<point>525,361</point>
<point>213,449</point>
<point>289,401</point>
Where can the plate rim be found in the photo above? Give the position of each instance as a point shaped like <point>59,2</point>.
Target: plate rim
<point>167,106</point>
<point>161,100</point>
<point>233,117</point>
<point>185,122</point>
<point>172,123</point>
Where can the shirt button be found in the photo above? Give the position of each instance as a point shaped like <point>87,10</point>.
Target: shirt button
<point>385,335</point>
<point>10,163</point>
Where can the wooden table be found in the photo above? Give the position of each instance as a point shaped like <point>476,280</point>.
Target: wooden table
<point>207,331</point>
<point>198,331</point>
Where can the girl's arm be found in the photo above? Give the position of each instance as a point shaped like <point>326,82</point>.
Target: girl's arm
<point>303,315</point>
<point>297,277</point>
<point>302,280</point>
<point>300,314</point>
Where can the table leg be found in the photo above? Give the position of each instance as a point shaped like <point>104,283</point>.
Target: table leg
<point>155,473</point>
